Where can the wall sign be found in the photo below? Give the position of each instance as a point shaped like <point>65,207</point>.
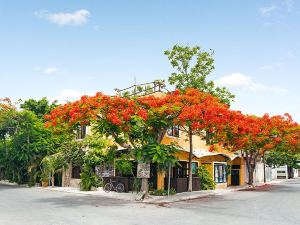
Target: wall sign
<point>107,171</point>
<point>143,170</point>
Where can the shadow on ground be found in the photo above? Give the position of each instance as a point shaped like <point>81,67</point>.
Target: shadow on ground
<point>67,200</point>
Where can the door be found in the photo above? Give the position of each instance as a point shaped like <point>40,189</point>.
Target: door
<point>235,177</point>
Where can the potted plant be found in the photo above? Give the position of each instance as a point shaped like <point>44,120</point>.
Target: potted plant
<point>44,177</point>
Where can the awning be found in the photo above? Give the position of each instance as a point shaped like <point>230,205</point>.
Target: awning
<point>199,153</point>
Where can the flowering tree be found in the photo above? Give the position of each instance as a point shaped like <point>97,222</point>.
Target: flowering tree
<point>255,135</point>
<point>132,123</point>
<point>141,122</point>
<point>194,111</point>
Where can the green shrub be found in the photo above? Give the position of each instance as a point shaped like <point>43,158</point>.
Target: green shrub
<point>206,181</point>
<point>89,180</point>
<point>161,192</point>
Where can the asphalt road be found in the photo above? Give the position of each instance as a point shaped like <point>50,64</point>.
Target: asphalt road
<point>275,205</point>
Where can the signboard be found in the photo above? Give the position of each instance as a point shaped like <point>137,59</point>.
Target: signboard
<point>107,171</point>
<point>143,170</point>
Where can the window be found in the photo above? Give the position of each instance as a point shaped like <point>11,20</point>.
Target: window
<point>180,170</point>
<point>81,132</point>
<point>220,173</point>
<point>194,167</point>
<point>173,131</point>
<point>76,170</point>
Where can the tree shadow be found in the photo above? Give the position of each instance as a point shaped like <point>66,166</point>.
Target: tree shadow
<point>68,200</point>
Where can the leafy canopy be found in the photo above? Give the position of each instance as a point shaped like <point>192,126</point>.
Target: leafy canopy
<point>192,67</point>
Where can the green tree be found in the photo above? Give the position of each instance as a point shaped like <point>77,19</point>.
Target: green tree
<point>282,158</point>
<point>192,66</point>
<point>24,143</point>
<point>53,164</point>
<point>39,107</point>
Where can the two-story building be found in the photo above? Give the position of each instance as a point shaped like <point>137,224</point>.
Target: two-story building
<point>225,168</point>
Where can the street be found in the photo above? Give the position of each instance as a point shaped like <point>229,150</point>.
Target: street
<point>274,205</point>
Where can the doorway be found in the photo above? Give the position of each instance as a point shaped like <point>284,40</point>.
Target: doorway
<point>235,177</point>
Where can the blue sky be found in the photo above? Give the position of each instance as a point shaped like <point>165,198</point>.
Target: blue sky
<point>63,49</point>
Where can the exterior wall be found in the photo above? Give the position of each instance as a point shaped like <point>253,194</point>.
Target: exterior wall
<point>268,173</point>
<point>259,173</point>
<point>74,182</point>
<point>209,161</point>
<point>238,161</point>
<point>280,172</point>
<point>66,175</point>
<point>160,180</point>
<point>67,180</point>
<point>296,173</point>
<point>183,142</point>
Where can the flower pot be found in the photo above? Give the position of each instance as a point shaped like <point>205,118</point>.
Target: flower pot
<point>44,183</point>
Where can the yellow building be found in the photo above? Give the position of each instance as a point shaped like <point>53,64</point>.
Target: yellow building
<point>225,167</point>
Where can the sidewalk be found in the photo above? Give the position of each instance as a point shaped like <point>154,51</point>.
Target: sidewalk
<point>153,199</point>
<point>99,192</point>
<point>184,196</point>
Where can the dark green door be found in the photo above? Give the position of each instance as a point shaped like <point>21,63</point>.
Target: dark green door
<point>235,177</point>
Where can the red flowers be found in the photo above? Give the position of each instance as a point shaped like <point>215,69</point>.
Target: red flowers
<point>191,108</point>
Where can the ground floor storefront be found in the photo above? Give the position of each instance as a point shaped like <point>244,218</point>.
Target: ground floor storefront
<point>223,169</point>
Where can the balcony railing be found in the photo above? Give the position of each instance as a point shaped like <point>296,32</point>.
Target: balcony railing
<point>142,89</point>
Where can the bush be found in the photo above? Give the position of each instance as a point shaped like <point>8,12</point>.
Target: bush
<point>89,180</point>
<point>207,182</point>
<point>161,192</point>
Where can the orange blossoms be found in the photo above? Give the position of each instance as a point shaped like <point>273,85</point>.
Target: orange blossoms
<point>192,108</point>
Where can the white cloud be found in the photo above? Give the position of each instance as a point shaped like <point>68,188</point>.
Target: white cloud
<point>289,4</point>
<point>79,17</point>
<point>234,80</point>
<point>50,70</point>
<point>266,11</point>
<point>239,80</point>
<point>67,95</point>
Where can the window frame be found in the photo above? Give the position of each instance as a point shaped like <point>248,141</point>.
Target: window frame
<point>223,172</point>
<point>173,130</point>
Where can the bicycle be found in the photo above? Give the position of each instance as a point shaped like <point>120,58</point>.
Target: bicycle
<point>109,186</point>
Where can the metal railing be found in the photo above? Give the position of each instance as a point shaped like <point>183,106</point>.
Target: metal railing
<point>142,89</point>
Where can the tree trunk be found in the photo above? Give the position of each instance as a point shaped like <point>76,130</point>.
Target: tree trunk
<point>52,180</point>
<point>190,183</point>
<point>250,174</point>
<point>145,186</point>
<point>251,163</point>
